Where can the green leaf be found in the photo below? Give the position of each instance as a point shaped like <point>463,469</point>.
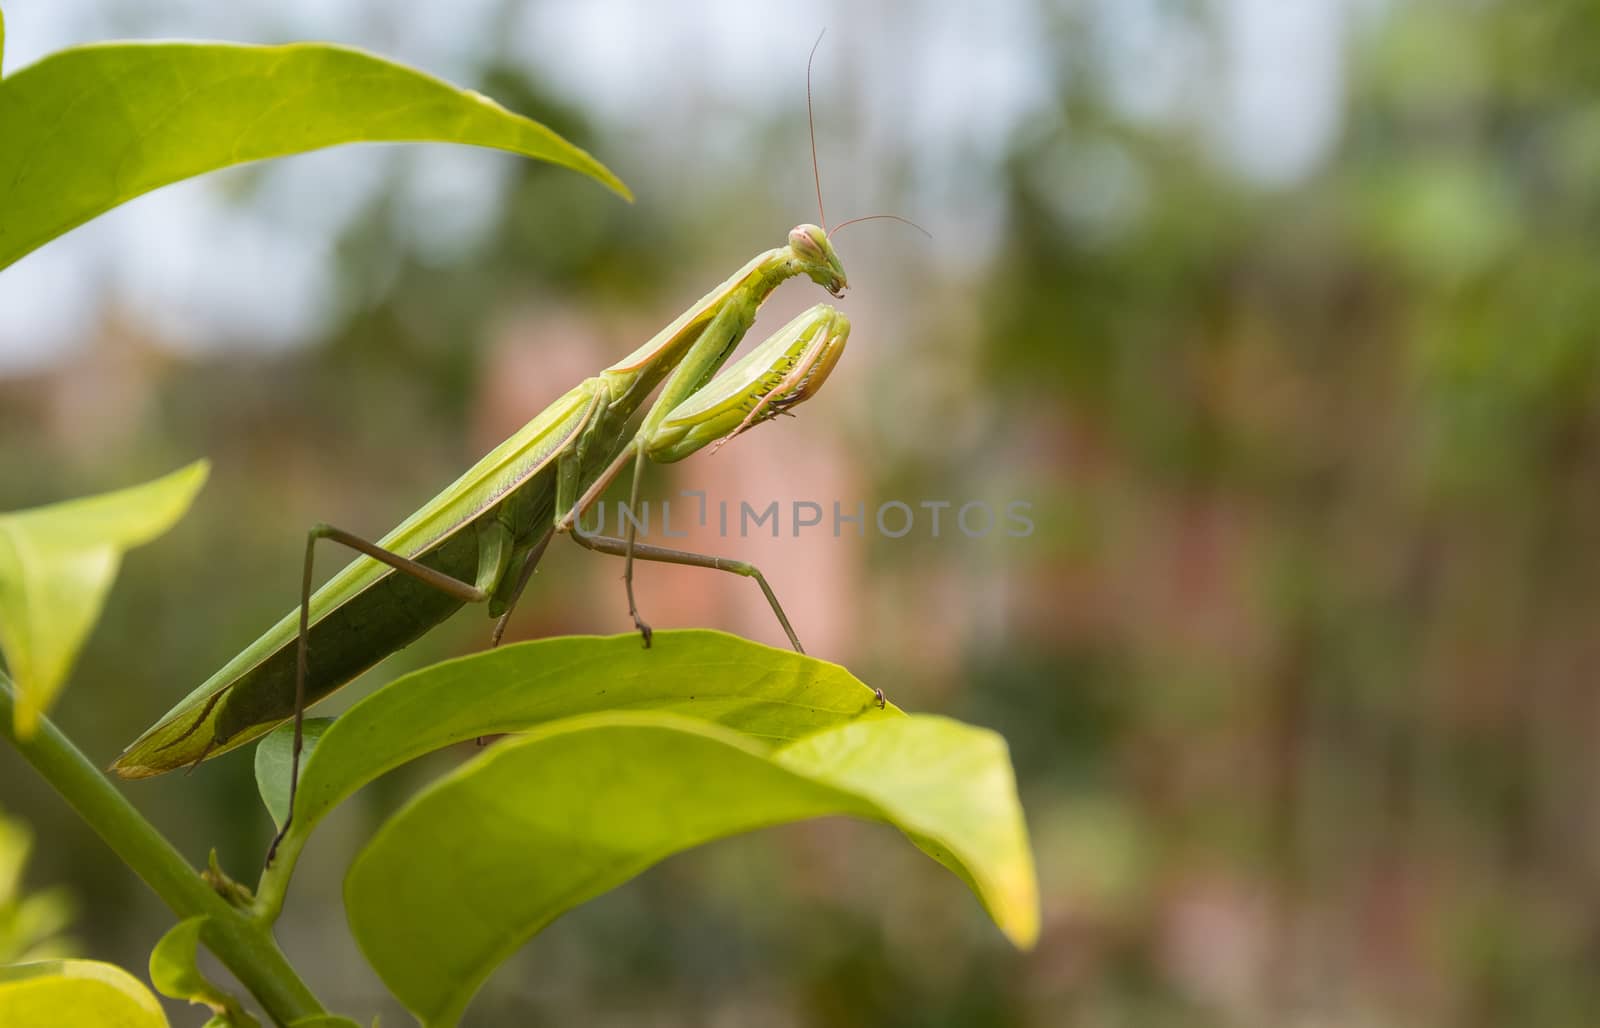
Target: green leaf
<point>326,1021</point>
<point>91,127</point>
<point>172,963</point>
<point>476,864</point>
<point>769,695</point>
<point>56,566</point>
<point>75,994</point>
<point>174,973</point>
<point>275,761</point>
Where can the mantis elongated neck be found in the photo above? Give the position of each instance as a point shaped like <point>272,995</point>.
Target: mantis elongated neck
<point>751,284</point>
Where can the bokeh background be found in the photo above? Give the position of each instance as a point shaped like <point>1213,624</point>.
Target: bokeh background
<point>1280,314</point>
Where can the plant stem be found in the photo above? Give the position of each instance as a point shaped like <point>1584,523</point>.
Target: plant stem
<point>243,945</point>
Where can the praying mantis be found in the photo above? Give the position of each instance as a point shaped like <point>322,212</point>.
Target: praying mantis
<point>480,540</point>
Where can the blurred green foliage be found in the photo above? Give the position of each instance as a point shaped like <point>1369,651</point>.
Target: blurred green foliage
<point>32,923</point>
<point>1349,428</point>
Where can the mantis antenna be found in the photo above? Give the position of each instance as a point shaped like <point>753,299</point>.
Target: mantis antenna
<point>816,173</point>
<point>891,217</point>
<point>811,123</point>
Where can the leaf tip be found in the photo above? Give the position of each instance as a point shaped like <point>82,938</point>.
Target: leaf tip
<point>192,476</point>
<point>1020,924</point>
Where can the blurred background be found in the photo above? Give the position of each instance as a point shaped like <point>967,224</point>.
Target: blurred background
<point>1278,314</point>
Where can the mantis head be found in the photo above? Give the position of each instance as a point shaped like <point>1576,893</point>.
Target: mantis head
<point>818,258</point>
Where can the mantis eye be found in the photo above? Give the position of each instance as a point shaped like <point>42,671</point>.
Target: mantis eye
<point>804,243</point>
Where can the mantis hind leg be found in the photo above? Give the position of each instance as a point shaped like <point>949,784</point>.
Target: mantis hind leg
<point>625,548</point>
<point>634,550</point>
<point>630,549</point>
<point>405,565</point>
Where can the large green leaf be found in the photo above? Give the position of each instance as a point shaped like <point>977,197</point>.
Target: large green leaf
<point>75,994</point>
<point>56,565</point>
<point>768,695</point>
<point>91,127</point>
<point>476,864</point>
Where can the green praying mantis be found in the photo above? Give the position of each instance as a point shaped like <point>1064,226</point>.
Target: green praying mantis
<point>480,540</point>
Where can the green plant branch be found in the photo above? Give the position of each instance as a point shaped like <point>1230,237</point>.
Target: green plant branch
<point>244,946</point>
